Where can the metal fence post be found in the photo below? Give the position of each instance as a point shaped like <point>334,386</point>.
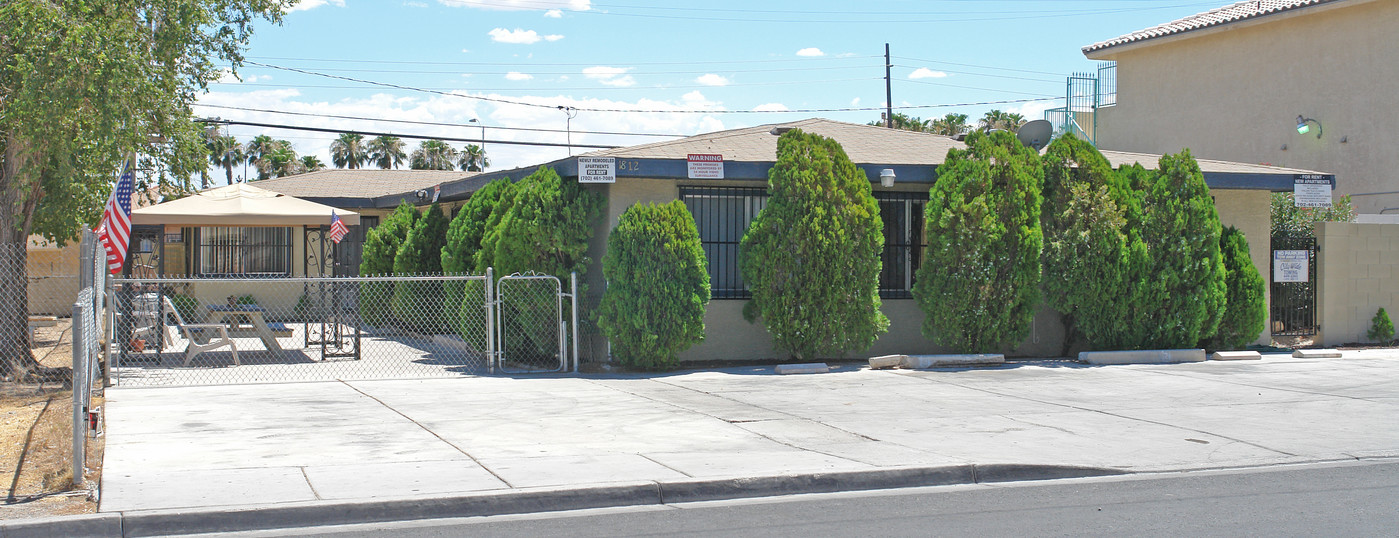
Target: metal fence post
<point>80,370</point>
<point>573,295</point>
<point>490,320</point>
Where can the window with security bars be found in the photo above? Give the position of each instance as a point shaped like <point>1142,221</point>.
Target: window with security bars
<point>243,251</point>
<point>722,215</point>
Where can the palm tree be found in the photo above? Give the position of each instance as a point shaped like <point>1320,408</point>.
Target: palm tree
<point>905,122</point>
<point>996,119</point>
<point>257,151</point>
<point>279,161</point>
<point>348,151</point>
<point>311,163</point>
<point>224,152</point>
<point>386,151</point>
<point>473,158</point>
<point>432,155</point>
<point>949,125</point>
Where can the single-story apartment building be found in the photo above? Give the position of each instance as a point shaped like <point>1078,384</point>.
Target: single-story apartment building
<point>721,177</point>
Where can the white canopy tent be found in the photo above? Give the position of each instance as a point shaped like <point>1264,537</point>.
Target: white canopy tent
<point>240,204</point>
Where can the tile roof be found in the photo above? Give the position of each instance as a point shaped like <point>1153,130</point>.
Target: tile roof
<point>864,144</point>
<point>358,183</point>
<point>867,144</point>
<point>1239,11</point>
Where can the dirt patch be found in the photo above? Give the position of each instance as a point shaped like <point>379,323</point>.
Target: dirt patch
<point>36,440</point>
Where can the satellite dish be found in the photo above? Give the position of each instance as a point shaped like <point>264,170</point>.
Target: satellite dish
<point>1035,134</point>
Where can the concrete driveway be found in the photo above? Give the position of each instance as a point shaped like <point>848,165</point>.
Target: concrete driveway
<point>261,445</point>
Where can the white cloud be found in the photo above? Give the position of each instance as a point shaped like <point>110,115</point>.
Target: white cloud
<point>554,14</point>
<point>415,4</point>
<point>810,51</point>
<point>610,76</point>
<point>771,107</point>
<point>712,79</point>
<point>855,102</point>
<point>923,72</point>
<point>1033,110</point>
<point>521,5</point>
<point>520,37</point>
<point>516,75</point>
<point>307,5</point>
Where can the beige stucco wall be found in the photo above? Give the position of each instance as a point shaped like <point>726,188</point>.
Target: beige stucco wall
<point>1358,273</point>
<point>53,279</point>
<point>1234,93</point>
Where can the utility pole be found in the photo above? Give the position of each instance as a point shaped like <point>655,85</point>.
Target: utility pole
<point>888,91</point>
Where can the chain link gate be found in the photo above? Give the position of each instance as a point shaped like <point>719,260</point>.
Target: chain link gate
<point>532,333</point>
<point>1293,294</point>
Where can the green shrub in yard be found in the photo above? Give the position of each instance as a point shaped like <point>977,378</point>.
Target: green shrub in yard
<point>418,304</point>
<point>811,256</point>
<point>657,286</point>
<point>1245,304</point>
<point>1381,328</point>
<point>979,281</point>
<point>459,257</point>
<point>380,248</point>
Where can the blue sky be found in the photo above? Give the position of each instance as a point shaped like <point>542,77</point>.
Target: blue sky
<point>637,66</point>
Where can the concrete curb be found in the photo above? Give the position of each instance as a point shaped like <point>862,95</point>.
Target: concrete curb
<point>71,526</point>
<point>322,513</point>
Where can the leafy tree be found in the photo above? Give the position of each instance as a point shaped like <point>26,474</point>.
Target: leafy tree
<point>464,236</point>
<point>310,163</point>
<point>381,245</point>
<point>224,152</point>
<point>473,158</point>
<point>349,151</point>
<point>386,152</point>
<point>657,286</point>
<point>83,85</point>
<point>1245,305</point>
<point>1292,221</point>
<point>1180,299</point>
<point>979,282</point>
<point>811,256</point>
<point>949,125</point>
<point>904,122</point>
<point>1084,218</point>
<point>432,155</point>
<point>418,304</point>
<point>999,119</point>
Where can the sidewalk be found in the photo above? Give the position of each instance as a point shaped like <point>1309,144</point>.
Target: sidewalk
<point>308,446</point>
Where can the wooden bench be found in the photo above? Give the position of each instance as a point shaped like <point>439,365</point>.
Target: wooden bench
<point>40,321</point>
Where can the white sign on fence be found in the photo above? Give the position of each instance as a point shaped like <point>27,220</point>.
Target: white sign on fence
<point>705,166</point>
<point>1290,265</point>
<point>1311,190</point>
<point>597,169</point>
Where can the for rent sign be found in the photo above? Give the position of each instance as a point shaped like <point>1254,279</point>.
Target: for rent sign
<point>597,169</point>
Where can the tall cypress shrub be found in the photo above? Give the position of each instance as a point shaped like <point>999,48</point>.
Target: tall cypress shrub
<point>418,304</point>
<point>811,256</point>
<point>657,286</point>
<point>1180,300</point>
<point>1245,305</point>
<point>1086,240</point>
<point>463,302</point>
<point>979,281</point>
<point>380,248</point>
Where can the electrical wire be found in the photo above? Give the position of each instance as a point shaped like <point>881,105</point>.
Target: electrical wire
<point>412,136</point>
<point>444,124</point>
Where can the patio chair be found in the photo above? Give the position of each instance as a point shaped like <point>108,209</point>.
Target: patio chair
<point>217,335</point>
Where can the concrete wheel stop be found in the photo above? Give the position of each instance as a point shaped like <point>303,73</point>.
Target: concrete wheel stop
<point>1142,356</point>
<point>936,361</point>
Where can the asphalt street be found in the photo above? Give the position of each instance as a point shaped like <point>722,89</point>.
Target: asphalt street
<point>1353,499</point>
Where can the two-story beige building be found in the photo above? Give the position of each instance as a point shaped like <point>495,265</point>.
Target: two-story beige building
<point>1232,84</point>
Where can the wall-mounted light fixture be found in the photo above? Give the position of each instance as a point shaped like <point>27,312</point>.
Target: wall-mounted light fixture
<point>886,177</point>
<point>1303,128</point>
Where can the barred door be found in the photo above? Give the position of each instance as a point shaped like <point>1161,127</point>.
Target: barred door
<point>1293,296</point>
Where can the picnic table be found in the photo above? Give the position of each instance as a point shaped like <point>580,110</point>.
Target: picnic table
<point>245,317</point>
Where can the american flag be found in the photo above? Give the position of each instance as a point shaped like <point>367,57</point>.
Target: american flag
<point>337,228</point>
<point>115,230</point>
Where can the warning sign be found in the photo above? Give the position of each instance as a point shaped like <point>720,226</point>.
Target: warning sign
<point>705,166</point>
<point>597,169</point>
<point>1290,265</point>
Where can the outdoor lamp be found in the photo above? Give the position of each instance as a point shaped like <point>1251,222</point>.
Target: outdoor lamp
<point>886,177</point>
<point>1303,128</point>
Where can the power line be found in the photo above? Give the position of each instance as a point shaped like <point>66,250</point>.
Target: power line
<point>555,64</point>
<point>567,88</point>
<point>939,17</point>
<point>444,124</point>
<point>415,137</point>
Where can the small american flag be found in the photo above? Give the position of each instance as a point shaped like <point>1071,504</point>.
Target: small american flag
<point>337,228</point>
<point>115,230</point>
